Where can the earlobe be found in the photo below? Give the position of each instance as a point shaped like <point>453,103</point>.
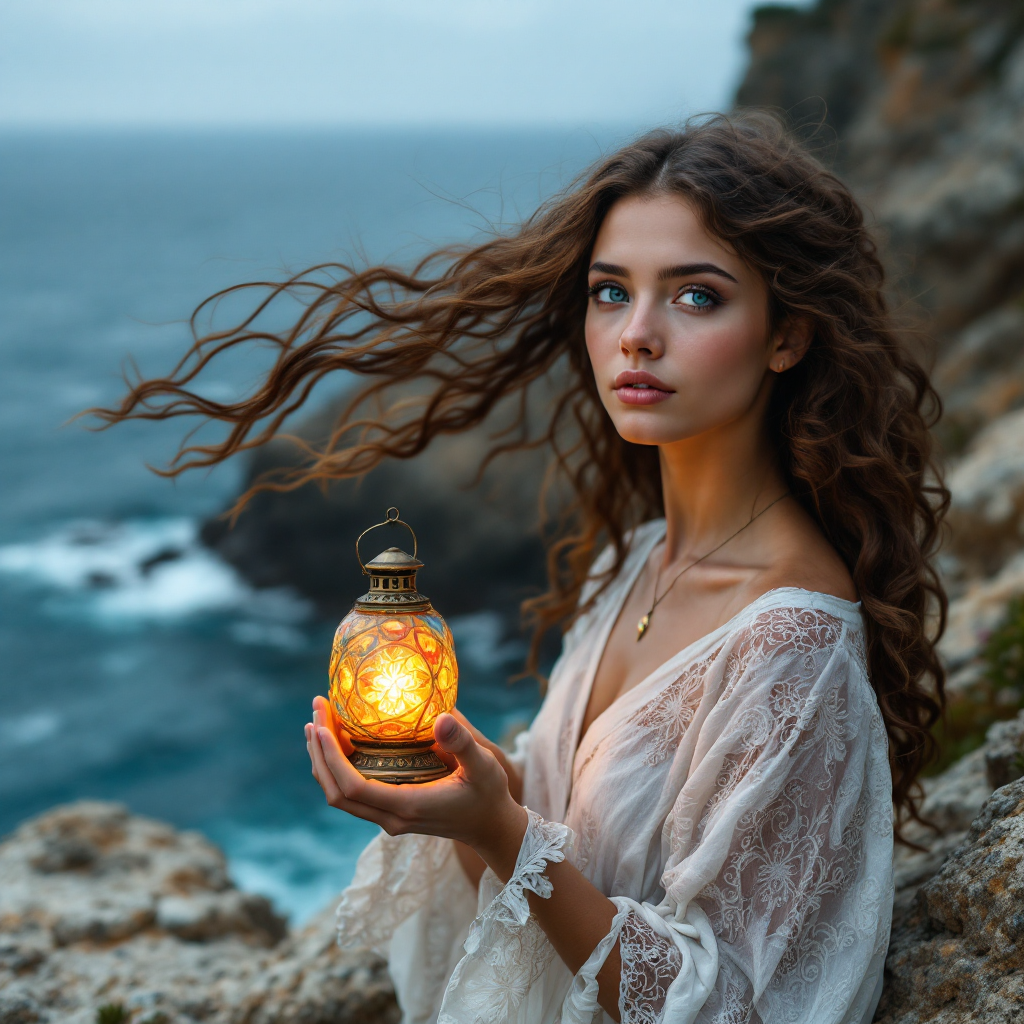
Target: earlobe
<point>792,342</point>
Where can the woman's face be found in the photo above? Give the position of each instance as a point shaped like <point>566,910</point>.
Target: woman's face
<point>677,324</point>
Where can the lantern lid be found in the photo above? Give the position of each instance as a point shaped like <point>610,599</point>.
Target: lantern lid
<point>392,560</point>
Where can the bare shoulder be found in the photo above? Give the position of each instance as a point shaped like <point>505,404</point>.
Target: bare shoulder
<point>804,558</point>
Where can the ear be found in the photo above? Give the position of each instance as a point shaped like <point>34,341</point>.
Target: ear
<point>790,343</point>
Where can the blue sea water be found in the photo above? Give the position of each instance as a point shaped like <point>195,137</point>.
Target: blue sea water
<point>172,685</point>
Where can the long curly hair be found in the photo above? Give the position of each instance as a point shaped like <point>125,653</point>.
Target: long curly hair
<point>479,328</point>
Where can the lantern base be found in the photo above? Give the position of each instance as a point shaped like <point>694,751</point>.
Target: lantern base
<point>398,763</point>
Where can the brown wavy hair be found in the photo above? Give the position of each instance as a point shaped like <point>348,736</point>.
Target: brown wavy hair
<point>475,329</point>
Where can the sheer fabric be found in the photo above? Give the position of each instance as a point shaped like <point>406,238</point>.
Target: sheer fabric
<point>735,806</point>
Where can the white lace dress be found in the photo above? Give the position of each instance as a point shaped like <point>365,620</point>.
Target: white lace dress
<point>736,807</point>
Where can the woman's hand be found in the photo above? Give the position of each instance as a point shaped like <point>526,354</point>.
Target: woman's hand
<point>473,805</point>
<point>515,780</point>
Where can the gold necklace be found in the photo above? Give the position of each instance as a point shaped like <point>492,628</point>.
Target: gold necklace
<point>641,626</point>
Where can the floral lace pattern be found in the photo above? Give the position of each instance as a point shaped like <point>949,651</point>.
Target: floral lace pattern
<point>506,951</point>
<point>650,963</point>
<point>666,717</point>
<point>543,844</point>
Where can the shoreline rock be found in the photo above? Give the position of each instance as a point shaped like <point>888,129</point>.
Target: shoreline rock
<point>98,906</point>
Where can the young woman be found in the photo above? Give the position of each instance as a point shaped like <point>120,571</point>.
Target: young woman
<point>699,823</point>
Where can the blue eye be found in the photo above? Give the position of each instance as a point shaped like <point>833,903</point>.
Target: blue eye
<point>611,293</point>
<point>696,298</point>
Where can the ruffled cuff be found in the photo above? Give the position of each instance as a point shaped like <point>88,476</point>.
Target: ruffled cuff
<point>543,843</point>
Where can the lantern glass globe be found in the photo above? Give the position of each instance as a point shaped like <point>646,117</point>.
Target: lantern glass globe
<point>392,674</point>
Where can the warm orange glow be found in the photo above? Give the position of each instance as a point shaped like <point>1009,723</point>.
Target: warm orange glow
<point>392,675</point>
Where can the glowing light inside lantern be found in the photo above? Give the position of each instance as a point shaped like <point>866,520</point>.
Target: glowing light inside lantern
<point>392,675</point>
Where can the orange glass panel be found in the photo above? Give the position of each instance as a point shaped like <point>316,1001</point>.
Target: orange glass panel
<point>392,675</point>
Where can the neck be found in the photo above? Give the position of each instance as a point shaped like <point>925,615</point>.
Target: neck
<point>713,484</point>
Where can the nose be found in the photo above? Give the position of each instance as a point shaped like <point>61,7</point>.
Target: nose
<point>641,335</point>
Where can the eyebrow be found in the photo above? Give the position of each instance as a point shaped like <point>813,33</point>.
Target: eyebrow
<point>682,270</point>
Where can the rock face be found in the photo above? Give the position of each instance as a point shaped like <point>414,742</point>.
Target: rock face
<point>957,955</point>
<point>956,952</point>
<point>100,907</point>
<point>987,513</point>
<point>927,98</point>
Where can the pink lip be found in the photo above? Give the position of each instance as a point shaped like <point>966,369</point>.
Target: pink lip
<point>629,390</point>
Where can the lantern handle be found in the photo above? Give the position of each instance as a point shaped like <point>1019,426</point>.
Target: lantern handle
<point>388,520</point>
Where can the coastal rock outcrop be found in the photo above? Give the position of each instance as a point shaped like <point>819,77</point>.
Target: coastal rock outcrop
<point>102,908</point>
<point>957,948</point>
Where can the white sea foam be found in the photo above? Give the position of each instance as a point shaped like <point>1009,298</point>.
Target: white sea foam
<point>153,570</point>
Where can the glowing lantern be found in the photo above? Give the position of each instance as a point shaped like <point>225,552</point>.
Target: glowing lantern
<point>393,670</point>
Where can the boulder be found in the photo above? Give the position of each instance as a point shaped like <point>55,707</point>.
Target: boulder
<point>954,953</point>
<point>98,907</point>
<point>958,953</point>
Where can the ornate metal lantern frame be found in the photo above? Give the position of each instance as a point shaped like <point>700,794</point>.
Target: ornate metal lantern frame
<point>393,669</point>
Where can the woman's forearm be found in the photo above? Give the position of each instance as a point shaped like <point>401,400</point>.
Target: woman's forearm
<point>575,918</point>
<point>472,866</point>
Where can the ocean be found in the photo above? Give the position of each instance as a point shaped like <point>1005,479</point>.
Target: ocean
<point>172,685</point>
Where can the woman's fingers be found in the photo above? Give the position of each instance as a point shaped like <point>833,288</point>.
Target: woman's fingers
<point>481,739</point>
<point>353,786</point>
<point>336,796</point>
<point>322,716</point>
<point>454,738</point>
<point>312,738</point>
<point>449,759</point>
<point>466,723</point>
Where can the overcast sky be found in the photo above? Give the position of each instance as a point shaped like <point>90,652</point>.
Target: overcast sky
<point>388,62</point>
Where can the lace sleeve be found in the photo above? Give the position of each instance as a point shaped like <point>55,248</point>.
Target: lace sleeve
<point>664,959</point>
<point>782,831</point>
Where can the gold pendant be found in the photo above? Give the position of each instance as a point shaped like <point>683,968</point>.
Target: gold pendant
<point>641,626</point>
